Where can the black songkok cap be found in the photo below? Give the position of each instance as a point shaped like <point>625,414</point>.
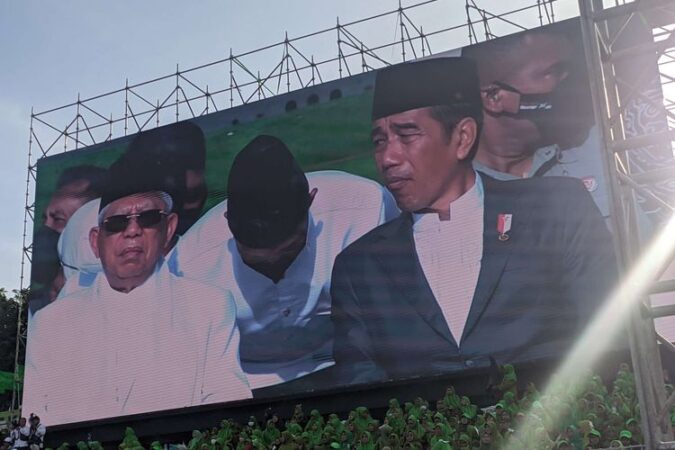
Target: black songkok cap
<point>431,82</point>
<point>132,174</point>
<point>267,193</point>
<point>181,143</point>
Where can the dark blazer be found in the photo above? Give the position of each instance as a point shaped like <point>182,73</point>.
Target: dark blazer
<point>534,293</point>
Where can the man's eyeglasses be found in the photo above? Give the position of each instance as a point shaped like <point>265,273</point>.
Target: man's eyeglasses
<point>145,219</point>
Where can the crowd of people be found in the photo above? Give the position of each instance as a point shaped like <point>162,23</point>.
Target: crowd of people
<point>599,415</point>
<point>25,434</point>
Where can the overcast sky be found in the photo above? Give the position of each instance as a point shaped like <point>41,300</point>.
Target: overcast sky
<point>53,50</point>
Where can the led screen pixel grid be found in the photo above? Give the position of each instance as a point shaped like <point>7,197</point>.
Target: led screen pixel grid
<point>207,328</point>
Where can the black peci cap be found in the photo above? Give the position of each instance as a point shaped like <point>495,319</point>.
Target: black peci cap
<point>267,193</point>
<point>431,82</point>
<point>134,174</point>
<point>181,143</point>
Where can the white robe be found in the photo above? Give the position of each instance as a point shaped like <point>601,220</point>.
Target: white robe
<point>97,353</point>
<point>285,327</point>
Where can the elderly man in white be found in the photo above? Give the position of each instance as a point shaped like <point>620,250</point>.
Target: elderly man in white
<point>272,245</point>
<point>137,339</point>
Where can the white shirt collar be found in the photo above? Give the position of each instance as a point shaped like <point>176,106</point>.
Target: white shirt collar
<point>470,200</point>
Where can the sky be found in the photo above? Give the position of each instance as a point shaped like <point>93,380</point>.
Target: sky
<point>52,51</point>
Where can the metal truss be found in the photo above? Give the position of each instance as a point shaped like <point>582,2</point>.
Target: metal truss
<point>611,49</point>
<point>347,49</point>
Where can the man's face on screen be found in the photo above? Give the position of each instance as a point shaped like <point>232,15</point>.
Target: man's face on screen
<point>274,261</point>
<point>415,157</point>
<point>131,238</point>
<point>541,64</point>
<point>63,204</point>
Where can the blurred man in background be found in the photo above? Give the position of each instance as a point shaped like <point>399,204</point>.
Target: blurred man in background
<point>75,186</point>
<point>538,114</point>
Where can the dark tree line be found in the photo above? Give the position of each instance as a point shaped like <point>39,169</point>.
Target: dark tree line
<point>9,310</point>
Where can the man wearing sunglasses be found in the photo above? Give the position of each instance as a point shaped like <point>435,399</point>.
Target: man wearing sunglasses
<point>138,339</point>
<point>177,154</point>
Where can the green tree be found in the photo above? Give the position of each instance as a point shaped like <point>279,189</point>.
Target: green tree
<point>9,310</point>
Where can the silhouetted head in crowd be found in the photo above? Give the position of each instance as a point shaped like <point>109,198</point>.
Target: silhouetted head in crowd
<point>178,153</point>
<point>268,199</point>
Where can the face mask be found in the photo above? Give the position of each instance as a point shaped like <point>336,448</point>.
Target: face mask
<point>563,116</point>
<point>531,106</point>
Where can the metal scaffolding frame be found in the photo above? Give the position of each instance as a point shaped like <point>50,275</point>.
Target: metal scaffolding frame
<point>605,29</point>
<point>288,66</point>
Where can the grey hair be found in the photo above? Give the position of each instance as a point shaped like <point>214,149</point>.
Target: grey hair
<point>164,196</point>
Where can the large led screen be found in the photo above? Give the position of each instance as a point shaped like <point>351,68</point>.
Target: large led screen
<point>406,223</point>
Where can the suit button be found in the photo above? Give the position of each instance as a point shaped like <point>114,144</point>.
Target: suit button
<point>468,363</point>
<point>286,312</point>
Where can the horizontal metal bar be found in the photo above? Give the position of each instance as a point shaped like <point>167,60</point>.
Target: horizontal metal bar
<point>641,49</point>
<point>666,343</point>
<point>661,287</point>
<point>632,143</point>
<point>663,311</point>
<point>670,445</point>
<point>644,191</point>
<point>630,8</point>
<point>654,176</point>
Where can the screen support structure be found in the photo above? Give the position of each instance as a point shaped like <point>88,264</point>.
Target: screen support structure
<point>605,28</point>
<point>181,95</point>
<point>241,78</point>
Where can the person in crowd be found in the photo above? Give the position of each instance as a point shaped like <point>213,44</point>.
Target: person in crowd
<point>75,186</point>
<point>474,268</point>
<point>272,244</point>
<point>183,331</point>
<point>37,433</point>
<point>22,434</point>
<point>12,436</point>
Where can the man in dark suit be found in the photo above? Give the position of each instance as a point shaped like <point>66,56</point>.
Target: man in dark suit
<point>474,267</point>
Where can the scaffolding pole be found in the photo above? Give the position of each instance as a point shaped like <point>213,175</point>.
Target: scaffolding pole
<point>611,35</point>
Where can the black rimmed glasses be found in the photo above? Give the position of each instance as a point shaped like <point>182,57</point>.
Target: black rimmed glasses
<point>145,219</point>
